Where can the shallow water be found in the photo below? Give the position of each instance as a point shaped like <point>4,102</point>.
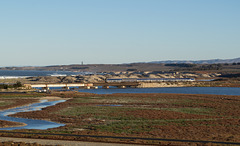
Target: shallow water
<point>180,90</point>
<point>31,123</point>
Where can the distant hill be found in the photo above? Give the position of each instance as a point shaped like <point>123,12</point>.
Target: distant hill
<point>211,61</point>
<point>170,65</point>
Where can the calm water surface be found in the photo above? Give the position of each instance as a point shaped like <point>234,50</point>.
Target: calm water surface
<point>33,73</point>
<point>183,90</point>
<point>31,123</point>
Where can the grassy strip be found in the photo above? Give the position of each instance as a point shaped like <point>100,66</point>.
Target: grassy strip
<point>4,103</point>
<point>141,125</point>
<point>96,110</point>
<point>188,110</point>
<point>116,121</point>
<point>17,96</point>
<point>127,100</point>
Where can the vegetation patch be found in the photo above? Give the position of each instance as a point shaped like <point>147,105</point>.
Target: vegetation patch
<point>97,111</point>
<point>5,103</point>
<point>17,96</point>
<point>171,116</point>
<point>6,86</point>
<point>188,110</point>
<point>126,100</point>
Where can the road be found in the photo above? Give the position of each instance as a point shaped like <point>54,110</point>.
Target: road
<point>128,138</point>
<point>60,142</point>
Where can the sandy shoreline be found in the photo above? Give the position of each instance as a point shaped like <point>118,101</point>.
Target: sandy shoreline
<point>8,124</point>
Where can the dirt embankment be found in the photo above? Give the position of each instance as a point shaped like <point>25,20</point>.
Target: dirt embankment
<point>5,124</point>
<point>7,141</point>
<point>13,143</point>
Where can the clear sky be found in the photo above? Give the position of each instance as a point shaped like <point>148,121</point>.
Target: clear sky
<point>49,32</point>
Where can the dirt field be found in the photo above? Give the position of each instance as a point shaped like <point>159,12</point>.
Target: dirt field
<point>170,116</point>
<point>7,141</point>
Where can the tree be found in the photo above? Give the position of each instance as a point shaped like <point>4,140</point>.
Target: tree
<point>5,86</point>
<point>18,84</point>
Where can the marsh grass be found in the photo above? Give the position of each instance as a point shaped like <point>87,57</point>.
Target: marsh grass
<point>117,119</point>
<point>125,126</point>
<point>127,100</point>
<point>188,110</point>
<point>17,96</point>
<point>131,126</point>
<point>106,100</point>
<point>118,122</point>
<point>4,103</point>
<point>94,110</point>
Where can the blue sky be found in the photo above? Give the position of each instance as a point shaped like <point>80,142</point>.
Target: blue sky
<point>49,32</point>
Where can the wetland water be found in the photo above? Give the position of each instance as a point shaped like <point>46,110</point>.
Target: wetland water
<point>30,123</point>
<point>42,124</point>
<point>180,90</point>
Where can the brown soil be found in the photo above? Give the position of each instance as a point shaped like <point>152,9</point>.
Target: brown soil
<point>8,141</point>
<point>4,124</point>
<point>12,143</point>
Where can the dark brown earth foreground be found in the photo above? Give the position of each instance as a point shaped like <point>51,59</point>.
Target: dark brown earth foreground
<point>8,141</point>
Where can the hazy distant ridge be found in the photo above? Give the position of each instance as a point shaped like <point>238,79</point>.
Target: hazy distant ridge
<point>211,61</point>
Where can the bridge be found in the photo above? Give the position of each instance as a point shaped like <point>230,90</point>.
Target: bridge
<point>104,85</point>
<point>65,86</point>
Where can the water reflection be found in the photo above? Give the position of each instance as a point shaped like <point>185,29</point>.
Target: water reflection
<point>30,123</point>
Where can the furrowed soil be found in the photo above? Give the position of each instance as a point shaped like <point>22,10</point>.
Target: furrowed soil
<point>170,116</point>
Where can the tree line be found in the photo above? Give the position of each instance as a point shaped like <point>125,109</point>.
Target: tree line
<point>6,86</point>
